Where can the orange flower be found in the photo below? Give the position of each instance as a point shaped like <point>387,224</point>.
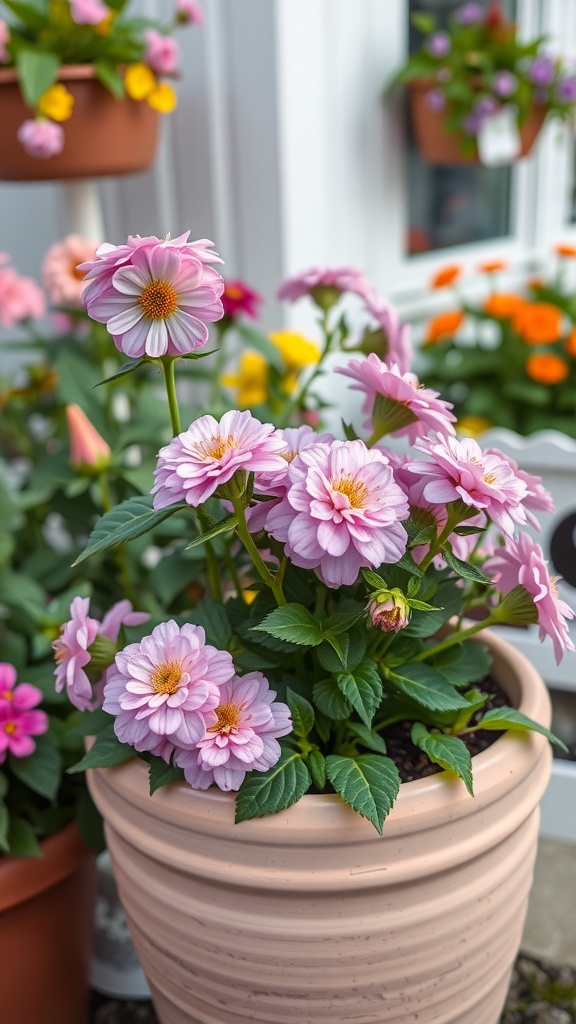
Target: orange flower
<point>446,276</point>
<point>503,305</point>
<point>571,343</point>
<point>546,368</point>
<point>538,323</point>
<point>492,266</point>
<point>443,326</point>
<point>565,250</point>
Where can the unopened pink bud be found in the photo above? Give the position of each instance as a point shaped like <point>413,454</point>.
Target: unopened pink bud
<point>88,450</point>
<point>390,615</point>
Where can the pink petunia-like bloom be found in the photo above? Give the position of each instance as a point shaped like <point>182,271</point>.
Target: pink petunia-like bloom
<point>169,681</point>
<point>88,12</point>
<point>208,454</point>
<point>522,563</point>
<point>17,727</point>
<point>18,698</point>
<point>426,409</point>
<point>4,39</point>
<point>238,298</point>
<point>341,512</point>
<point>240,735</point>
<point>20,297</point>
<point>71,649</point>
<point>60,276</point>
<point>162,52</point>
<point>460,470</point>
<point>189,12</point>
<point>41,138</point>
<point>537,497</point>
<point>318,280</point>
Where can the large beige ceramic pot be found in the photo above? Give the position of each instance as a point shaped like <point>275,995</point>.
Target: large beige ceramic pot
<point>309,917</point>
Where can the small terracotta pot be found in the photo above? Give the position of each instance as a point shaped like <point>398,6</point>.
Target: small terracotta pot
<point>438,146</point>
<point>104,135</point>
<point>46,923</point>
<point>310,916</point>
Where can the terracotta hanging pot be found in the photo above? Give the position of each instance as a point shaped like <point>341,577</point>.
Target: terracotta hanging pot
<point>437,145</point>
<point>104,135</point>
<point>46,921</point>
<point>309,917</point>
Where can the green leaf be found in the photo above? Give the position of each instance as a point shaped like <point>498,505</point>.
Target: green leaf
<point>363,690</point>
<point>466,662</point>
<point>41,771</point>
<point>214,621</point>
<point>449,752</point>
<point>317,765</point>
<point>123,371</point>
<point>341,622</point>
<point>302,713</point>
<point>448,598</point>
<point>37,70</point>
<point>254,339</point>
<point>162,774</point>
<point>423,21</point>
<point>89,821</point>
<point>373,580</point>
<point>292,623</point>
<point>22,840</point>
<point>128,520</point>
<point>111,79</point>
<point>92,723</point>
<point>330,700</point>
<point>224,526</point>
<point>427,687</point>
<point>509,718</point>
<point>368,783</point>
<point>465,569</point>
<point>106,752</point>
<point>330,654</point>
<point>367,737</point>
<point>340,645</point>
<point>272,791</point>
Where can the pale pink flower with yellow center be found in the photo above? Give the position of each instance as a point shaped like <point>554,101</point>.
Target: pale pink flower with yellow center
<point>155,297</point>
<point>208,454</point>
<point>522,563</point>
<point>426,411</point>
<point>169,681</point>
<point>537,497</point>
<point>342,511</point>
<point>88,12</point>
<point>460,471</point>
<point>162,52</point>
<point>60,275</point>
<point>240,735</point>
<point>20,297</point>
<point>41,138</point>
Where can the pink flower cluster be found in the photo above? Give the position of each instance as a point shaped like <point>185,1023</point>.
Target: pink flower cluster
<point>62,280</point>
<point>162,52</point>
<point>19,721</point>
<point>173,694</point>
<point>41,138</point>
<point>155,296</point>
<point>88,12</point>
<point>20,297</point>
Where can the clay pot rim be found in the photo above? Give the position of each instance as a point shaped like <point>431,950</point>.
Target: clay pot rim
<point>66,73</point>
<point>21,878</point>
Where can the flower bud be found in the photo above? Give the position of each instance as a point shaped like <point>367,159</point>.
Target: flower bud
<point>102,652</point>
<point>88,450</point>
<point>389,610</point>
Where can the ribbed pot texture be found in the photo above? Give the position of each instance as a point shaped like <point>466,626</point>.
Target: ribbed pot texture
<point>309,917</point>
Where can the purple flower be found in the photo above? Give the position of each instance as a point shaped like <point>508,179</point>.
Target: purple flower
<point>438,44</point>
<point>504,84</point>
<point>208,454</point>
<point>41,138</point>
<point>469,14</point>
<point>240,735</point>
<point>522,563</point>
<point>542,71</point>
<point>435,99</point>
<point>485,107</point>
<point>566,89</point>
<point>471,123</point>
<point>341,512</point>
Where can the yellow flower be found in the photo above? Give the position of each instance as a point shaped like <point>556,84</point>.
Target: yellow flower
<point>139,81</point>
<point>296,350</point>
<point>56,103</point>
<point>162,98</point>
<point>473,426</point>
<point>251,381</point>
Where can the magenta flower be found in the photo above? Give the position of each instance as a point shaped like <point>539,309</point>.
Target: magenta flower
<point>240,735</point>
<point>537,497</point>
<point>469,14</point>
<point>158,301</point>
<point>169,681</point>
<point>20,297</point>
<point>237,298</point>
<point>17,729</point>
<point>522,563</point>
<point>71,649</point>
<point>162,52</point>
<point>318,280</point>
<point>426,410</point>
<point>460,470</point>
<point>435,99</point>
<point>88,12</point>
<point>341,512</point>
<point>16,698</point>
<point>208,454</point>
<point>41,138</point>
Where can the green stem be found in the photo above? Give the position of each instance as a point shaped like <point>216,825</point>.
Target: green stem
<point>234,574</point>
<point>454,517</point>
<point>298,399</point>
<point>454,638</point>
<point>212,568</point>
<point>273,582</point>
<point>170,382</point>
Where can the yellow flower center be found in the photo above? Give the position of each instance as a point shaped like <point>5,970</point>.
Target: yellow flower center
<point>7,695</point>
<point>159,300</point>
<point>60,650</point>
<point>166,677</point>
<point>228,715</point>
<point>232,291</point>
<point>10,728</point>
<point>489,478</point>
<point>355,491</point>
<point>217,446</point>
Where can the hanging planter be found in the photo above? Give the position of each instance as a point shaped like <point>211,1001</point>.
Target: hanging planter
<point>46,914</point>
<point>310,915</point>
<point>105,136</point>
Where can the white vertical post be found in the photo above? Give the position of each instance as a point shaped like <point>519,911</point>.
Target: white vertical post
<point>83,209</point>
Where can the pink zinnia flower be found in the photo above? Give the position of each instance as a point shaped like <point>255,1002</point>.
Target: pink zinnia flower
<point>237,298</point>
<point>189,12</point>
<point>317,280</point>
<point>460,470</point>
<point>341,512</point>
<point>376,377</point>
<point>87,448</point>
<point>240,735</point>
<point>208,454</point>
<point>17,698</point>
<point>88,12</point>
<point>162,52</point>
<point>155,297</point>
<point>17,728</point>
<point>60,276</point>
<point>537,497</point>
<point>71,649</point>
<point>169,681</point>
<point>41,138</point>
<point>4,38</point>
<point>522,563</point>
<point>20,297</point>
